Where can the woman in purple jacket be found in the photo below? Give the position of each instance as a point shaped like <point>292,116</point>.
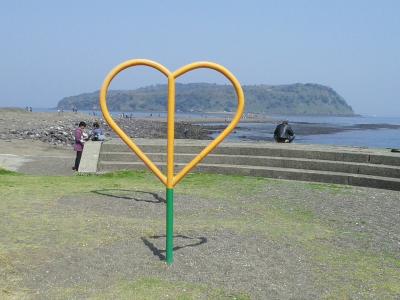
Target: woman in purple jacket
<point>78,146</point>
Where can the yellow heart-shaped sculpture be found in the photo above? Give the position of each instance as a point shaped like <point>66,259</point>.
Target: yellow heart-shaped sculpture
<point>171,179</point>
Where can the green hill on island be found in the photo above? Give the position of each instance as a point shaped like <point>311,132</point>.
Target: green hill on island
<point>293,99</point>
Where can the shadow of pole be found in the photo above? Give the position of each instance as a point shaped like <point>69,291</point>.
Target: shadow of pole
<point>113,193</point>
<point>159,252</point>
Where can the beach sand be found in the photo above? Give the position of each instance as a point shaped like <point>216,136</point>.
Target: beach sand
<point>36,158</point>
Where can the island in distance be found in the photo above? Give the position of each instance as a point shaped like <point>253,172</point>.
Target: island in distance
<point>290,99</point>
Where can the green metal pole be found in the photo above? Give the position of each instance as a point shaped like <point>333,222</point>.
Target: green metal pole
<point>170,227</point>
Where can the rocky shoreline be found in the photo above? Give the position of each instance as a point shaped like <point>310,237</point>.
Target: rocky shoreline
<point>58,128</point>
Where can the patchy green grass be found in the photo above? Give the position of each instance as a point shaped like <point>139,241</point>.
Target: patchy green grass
<point>153,288</point>
<point>7,172</point>
<point>148,288</point>
<point>333,188</point>
<point>35,230</point>
<point>357,272</point>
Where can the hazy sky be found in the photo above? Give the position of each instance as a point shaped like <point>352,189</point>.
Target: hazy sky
<point>53,49</point>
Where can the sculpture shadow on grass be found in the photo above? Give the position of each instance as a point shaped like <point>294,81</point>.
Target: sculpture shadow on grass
<point>115,193</point>
<point>160,252</point>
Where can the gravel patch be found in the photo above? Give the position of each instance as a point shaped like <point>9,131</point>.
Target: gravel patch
<point>245,261</point>
<point>371,214</point>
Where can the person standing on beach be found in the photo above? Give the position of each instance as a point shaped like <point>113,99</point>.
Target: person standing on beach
<point>284,133</point>
<point>78,146</point>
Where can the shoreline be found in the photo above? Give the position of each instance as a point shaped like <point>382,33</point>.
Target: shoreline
<point>57,128</point>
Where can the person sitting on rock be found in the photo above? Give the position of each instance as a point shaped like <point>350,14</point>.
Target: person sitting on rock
<point>97,133</point>
<point>284,133</point>
<point>79,142</point>
<point>185,132</point>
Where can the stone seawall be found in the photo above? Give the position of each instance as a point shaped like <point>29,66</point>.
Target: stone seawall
<point>377,168</point>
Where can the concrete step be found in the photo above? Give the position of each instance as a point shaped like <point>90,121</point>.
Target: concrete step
<point>331,153</point>
<point>272,172</point>
<point>267,161</point>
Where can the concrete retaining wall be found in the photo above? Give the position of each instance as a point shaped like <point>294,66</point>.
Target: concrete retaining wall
<point>344,165</point>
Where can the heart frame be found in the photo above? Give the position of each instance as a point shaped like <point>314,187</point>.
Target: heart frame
<point>171,180</point>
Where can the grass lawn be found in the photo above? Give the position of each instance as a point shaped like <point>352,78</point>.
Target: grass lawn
<point>102,237</point>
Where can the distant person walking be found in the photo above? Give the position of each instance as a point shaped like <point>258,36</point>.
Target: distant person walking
<point>79,142</point>
<point>284,133</point>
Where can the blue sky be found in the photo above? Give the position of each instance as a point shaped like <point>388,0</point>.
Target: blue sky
<point>53,49</point>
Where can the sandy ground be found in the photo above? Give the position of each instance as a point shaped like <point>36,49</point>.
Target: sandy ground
<point>278,262</point>
<point>36,158</point>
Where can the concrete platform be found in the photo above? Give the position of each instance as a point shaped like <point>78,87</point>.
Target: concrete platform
<point>90,157</point>
<point>378,168</point>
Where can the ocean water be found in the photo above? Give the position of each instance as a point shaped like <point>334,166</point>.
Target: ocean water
<point>376,138</point>
<point>373,138</point>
